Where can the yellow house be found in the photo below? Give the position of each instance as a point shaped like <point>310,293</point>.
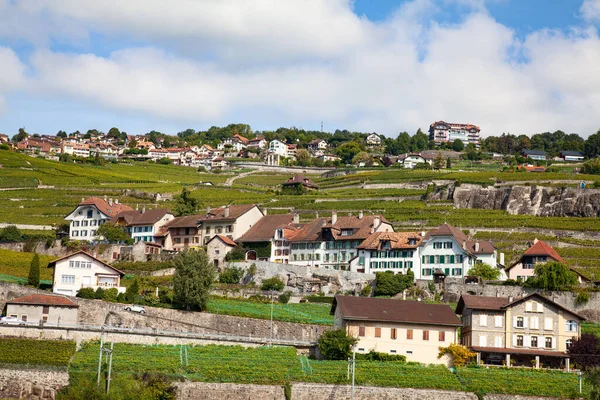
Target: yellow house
<point>411,328</point>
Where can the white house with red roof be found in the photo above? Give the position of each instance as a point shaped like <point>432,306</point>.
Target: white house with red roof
<point>388,251</point>
<point>92,212</point>
<point>43,308</point>
<point>82,270</point>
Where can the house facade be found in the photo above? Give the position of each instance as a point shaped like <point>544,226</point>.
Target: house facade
<point>413,329</point>
<point>530,331</point>
<point>279,148</point>
<point>388,251</point>
<point>373,140</point>
<point>571,155</point>
<point>82,270</point>
<point>146,225</point>
<point>538,155</point>
<point>42,309</point>
<point>446,132</point>
<point>90,214</point>
<point>262,236</point>
<point>217,249</point>
<point>411,160</point>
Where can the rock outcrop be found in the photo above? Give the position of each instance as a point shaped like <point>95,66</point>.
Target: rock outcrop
<point>530,200</point>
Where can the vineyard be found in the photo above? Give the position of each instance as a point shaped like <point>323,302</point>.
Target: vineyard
<point>16,264</point>
<point>214,363</point>
<point>36,352</point>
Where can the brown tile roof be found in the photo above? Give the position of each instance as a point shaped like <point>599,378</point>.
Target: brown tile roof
<point>53,262</point>
<point>389,310</point>
<point>105,207</point>
<point>504,350</point>
<point>43,300</point>
<point>150,217</point>
<point>542,249</point>
<point>224,239</point>
<point>448,230</point>
<point>264,229</point>
<point>312,231</point>
<point>127,216</point>
<point>485,247</point>
<point>398,240</point>
<point>217,214</point>
<point>187,221</point>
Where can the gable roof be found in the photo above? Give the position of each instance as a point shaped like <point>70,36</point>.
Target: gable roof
<point>468,245</point>
<point>540,248</point>
<point>127,216</point>
<point>398,240</point>
<point>502,303</point>
<point>534,152</point>
<point>264,229</point>
<point>105,207</point>
<point>389,310</point>
<point>448,230</point>
<point>150,217</point>
<point>300,179</point>
<point>571,153</point>
<point>43,300</point>
<point>223,239</point>
<point>312,231</point>
<point>217,214</point>
<point>53,262</point>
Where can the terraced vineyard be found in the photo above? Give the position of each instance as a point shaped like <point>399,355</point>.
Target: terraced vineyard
<point>36,352</point>
<point>16,264</point>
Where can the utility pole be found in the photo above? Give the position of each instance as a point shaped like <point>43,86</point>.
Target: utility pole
<point>353,368</point>
<point>271,328</point>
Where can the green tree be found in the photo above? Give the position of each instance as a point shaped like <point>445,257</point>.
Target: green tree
<point>553,276</point>
<point>273,283</point>
<point>61,134</point>
<point>22,135</point>
<point>113,233</point>
<point>231,275</point>
<point>132,291</point>
<point>591,166</point>
<point>438,161</point>
<point>363,156</point>
<point>448,163</point>
<point>114,133</point>
<point>10,234</point>
<point>458,145</point>
<point>485,271</point>
<point>347,151</point>
<point>336,344</point>
<point>34,271</point>
<point>303,157</point>
<point>592,376</point>
<point>389,284</point>
<point>185,204</point>
<point>194,276</point>
<point>420,141</point>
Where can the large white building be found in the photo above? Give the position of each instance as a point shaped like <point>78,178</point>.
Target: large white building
<point>82,270</point>
<point>388,251</point>
<point>445,132</point>
<point>145,225</point>
<point>92,212</point>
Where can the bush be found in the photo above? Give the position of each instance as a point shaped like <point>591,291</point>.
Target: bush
<point>238,253</point>
<point>377,356</point>
<point>389,284</point>
<point>284,298</point>
<point>99,293</point>
<point>461,355</point>
<point>111,295</point>
<point>336,344</point>
<point>231,275</point>
<point>273,283</point>
<point>4,146</point>
<point>582,298</point>
<point>319,299</point>
<point>10,234</point>
<point>86,293</point>
<point>366,291</point>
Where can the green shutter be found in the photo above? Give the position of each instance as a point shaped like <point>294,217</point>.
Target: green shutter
<point>442,259</point>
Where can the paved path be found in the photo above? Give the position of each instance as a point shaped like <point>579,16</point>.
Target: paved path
<point>230,181</point>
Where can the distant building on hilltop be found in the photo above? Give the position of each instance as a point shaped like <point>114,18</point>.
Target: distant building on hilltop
<point>445,132</point>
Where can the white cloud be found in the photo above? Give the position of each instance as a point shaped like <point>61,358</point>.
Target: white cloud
<point>297,63</point>
<point>590,10</point>
<point>12,73</point>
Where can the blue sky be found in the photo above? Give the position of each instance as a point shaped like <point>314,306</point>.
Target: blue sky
<point>518,66</point>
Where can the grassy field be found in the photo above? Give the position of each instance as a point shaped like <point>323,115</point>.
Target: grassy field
<point>214,363</point>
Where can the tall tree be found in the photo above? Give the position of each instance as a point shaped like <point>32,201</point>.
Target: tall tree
<point>458,145</point>
<point>34,271</point>
<point>336,344</point>
<point>194,276</point>
<point>420,141</point>
<point>553,276</point>
<point>22,135</point>
<point>347,151</point>
<point>61,134</point>
<point>303,157</point>
<point>438,161</point>
<point>585,351</point>
<point>185,204</point>
<point>114,133</point>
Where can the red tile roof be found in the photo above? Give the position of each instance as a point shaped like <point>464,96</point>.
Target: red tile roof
<point>43,300</point>
<point>540,248</point>
<point>389,310</point>
<point>398,240</point>
<point>300,179</point>
<point>312,231</point>
<point>150,217</point>
<point>224,239</point>
<point>216,214</point>
<point>264,229</point>
<point>105,207</point>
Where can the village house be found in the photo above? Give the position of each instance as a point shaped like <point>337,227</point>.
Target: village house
<point>317,145</point>
<point>144,226</point>
<point>82,270</point>
<point>530,331</point>
<point>447,132</point>
<point>4,138</point>
<point>332,242</point>
<point>260,238</point>
<point>194,231</point>
<point>571,155</point>
<point>412,160</point>
<point>92,212</point>
<point>258,142</point>
<point>217,249</point>
<point>412,329</point>
<point>373,140</point>
<point>388,251</point>
<point>538,155</point>
<point>297,184</point>
<point>42,309</point>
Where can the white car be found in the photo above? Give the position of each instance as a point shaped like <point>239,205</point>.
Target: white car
<point>137,309</point>
<point>10,320</point>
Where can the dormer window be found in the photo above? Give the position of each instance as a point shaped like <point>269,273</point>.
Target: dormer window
<point>412,241</point>
<point>385,244</point>
<point>347,232</point>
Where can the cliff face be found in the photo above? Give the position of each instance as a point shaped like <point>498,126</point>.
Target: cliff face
<point>531,200</point>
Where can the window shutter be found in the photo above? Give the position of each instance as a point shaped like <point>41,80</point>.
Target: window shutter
<point>483,320</point>
<point>482,341</point>
<point>540,307</point>
<point>528,306</point>
<point>525,322</point>
<point>548,323</point>
<point>514,340</point>
<point>526,341</point>
<point>514,322</point>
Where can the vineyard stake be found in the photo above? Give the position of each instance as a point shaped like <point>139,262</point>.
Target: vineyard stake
<point>100,357</point>
<point>112,345</point>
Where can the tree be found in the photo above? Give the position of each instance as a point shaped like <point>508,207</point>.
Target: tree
<point>185,204</point>
<point>592,376</point>
<point>231,275</point>
<point>113,233</point>
<point>363,156</point>
<point>461,355</point>
<point>458,145</point>
<point>22,135</point>
<point>591,166</point>
<point>336,344</point>
<point>438,162</point>
<point>419,142</point>
<point>132,291</point>
<point>485,271</point>
<point>34,271</point>
<point>303,157</point>
<point>273,283</point>
<point>553,276</point>
<point>61,134</point>
<point>448,163</point>
<point>114,133</point>
<point>10,234</point>
<point>194,276</point>
<point>585,351</point>
<point>347,151</point>
<point>389,284</point>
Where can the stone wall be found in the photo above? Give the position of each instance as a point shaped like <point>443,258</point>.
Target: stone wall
<point>308,391</point>
<point>227,391</point>
<point>31,383</point>
<point>454,288</point>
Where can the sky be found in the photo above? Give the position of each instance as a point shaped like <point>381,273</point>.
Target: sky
<point>385,66</point>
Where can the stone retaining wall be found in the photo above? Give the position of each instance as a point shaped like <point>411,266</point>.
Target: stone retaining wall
<point>31,383</point>
<point>227,391</point>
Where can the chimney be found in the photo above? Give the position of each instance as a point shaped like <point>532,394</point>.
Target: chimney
<point>105,198</point>
<point>116,201</point>
<point>501,258</point>
<point>208,209</point>
<point>296,218</point>
<point>82,199</point>
<point>143,209</point>
<point>376,221</point>
<point>264,211</point>
<point>422,233</point>
<point>476,247</point>
<point>333,217</point>
<point>110,202</point>
<point>360,214</point>
<point>404,294</point>
<point>464,245</point>
<point>227,212</point>
<point>535,241</point>
<point>137,207</point>
<point>317,215</point>
<point>510,299</point>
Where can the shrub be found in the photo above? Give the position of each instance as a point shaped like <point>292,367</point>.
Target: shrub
<point>284,298</point>
<point>336,344</point>
<point>231,275</point>
<point>273,283</point>
<point>366,291</point>
<point>319,299</point>
<point>389,284</point>
<point>461,355</point>
<point>377,356</point>
<point>99,293</point>
<point>86,293</point>
<point>238,253</point>
<point>10,234</point>
<point>111,295</point>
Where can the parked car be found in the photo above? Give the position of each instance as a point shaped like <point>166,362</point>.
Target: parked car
<point>135,308</point>
<point>10,320</point>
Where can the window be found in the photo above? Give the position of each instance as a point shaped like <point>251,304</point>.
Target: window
<point>534,323</point>
<point>571,326</point>
<point>442,336</point>
<point>361,331</point>
<point>84,223</point>
<point>409,334</point>
<point>425,335</point>
<point>177,240</point>
<point>75,223</point>
<point>393,333</point>
<point>534,341</point>
<point>498,342</point>
<point>452,259</point>
<point>482,341</point>
<point>483,320</point>
<point>520,340</point>
<point>568,343</point>
<point>548,342</point>
<point>498,321</point>
<point>75,233</point>
<point>45,309</point>
<point>377,332</point>
<point>45,318</point>
<point>68,279</point>
<point>90,213</point>
<point>548,324</point>
<point>520,322</point>
<point>24,318</point>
